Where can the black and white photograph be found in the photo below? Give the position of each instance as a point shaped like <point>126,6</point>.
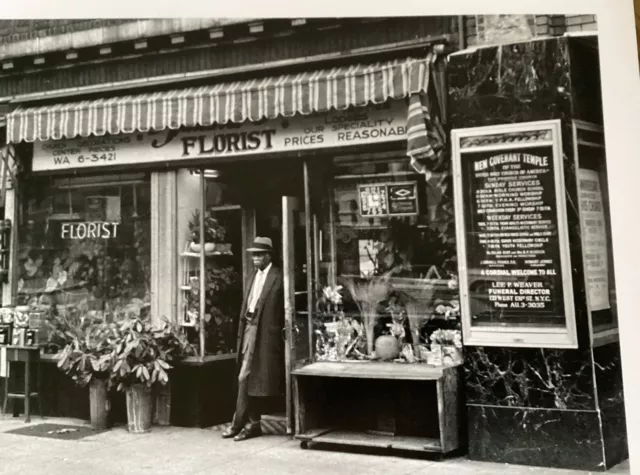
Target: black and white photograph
<point>309,244</point>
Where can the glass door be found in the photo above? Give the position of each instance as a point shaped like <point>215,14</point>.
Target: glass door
<point>295,294</point>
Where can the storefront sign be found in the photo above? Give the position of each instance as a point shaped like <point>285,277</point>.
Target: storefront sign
<point>373,200</point>
<point>512,247</point>
<point>403,199</point>
<point>379,124</point>
<point>594,239</point>
<point>89,230</point>
<point>388,199</point>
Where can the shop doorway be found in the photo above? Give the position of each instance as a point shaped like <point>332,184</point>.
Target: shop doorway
<point>271,194</point>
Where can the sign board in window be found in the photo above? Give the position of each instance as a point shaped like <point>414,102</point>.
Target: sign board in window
<point>515,274</point>
<point>595,231</point>
<point>388,199</point>
<point>594,238</point>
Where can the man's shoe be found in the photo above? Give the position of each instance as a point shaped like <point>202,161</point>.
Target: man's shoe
<point>248,433</point>
<point>230,432</point>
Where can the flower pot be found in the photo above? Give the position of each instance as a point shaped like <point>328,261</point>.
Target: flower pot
<point>139,408</point>
<point>387,347</point>
<point>162,411</point>
<point>210,247</point>
<point>99,404</point>
<point>451,355</point>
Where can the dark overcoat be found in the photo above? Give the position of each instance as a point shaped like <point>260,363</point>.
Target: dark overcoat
<point>266,376</point>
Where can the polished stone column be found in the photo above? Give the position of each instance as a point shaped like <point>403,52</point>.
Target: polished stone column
<point>545,407</point>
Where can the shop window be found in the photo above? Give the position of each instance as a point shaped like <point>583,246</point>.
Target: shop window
<point>84,247</point>
<point>214,331</point>
<point>516,283</point>
<point>388,239</point>
<point>595,231</point>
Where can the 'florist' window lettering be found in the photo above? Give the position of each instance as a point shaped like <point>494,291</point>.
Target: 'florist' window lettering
<point>227,143</point>
<point>92,230</point>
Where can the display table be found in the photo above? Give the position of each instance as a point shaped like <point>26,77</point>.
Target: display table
<point>343,403</point>
<point>27,355</point>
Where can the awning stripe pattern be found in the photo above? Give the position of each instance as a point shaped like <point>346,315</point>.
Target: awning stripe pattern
<point>305,93</point>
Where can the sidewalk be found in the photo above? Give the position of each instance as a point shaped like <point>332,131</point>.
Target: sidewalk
<point>175,450</point>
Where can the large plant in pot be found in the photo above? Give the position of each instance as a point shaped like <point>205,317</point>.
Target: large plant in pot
<point>139,364</point>
<point>174,346</point>
<point>88,359</point>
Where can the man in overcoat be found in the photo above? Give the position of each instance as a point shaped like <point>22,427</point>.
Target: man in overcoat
<point>260,342</point>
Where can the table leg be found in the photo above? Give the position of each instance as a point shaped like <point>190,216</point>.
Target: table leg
<point>27,394</point>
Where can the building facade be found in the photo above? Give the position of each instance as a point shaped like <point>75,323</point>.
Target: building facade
<point>373,152</point>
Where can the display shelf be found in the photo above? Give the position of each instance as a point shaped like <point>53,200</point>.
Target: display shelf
<point>320,388</point>
<point>369,439</point>
<point>206,254</point>
<point>373,175</point>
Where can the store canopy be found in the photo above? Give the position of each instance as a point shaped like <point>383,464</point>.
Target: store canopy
<point>254,100</point>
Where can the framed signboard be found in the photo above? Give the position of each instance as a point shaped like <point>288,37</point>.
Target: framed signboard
<point>595,231</point>
<point>388,199</point>
<point>513,246</point>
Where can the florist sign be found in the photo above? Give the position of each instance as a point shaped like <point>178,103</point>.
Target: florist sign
<point>379,124</point>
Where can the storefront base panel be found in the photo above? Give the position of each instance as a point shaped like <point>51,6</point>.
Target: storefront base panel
<point>614,434</point>
<point>59,395</point>
<point>541,437</point>
<point>611,402</point>
<point>203,395</point>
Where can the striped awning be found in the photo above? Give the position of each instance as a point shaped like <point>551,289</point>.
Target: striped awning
<point>254,100</point>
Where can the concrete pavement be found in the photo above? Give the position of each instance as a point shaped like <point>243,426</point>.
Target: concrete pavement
<point>176,450</point>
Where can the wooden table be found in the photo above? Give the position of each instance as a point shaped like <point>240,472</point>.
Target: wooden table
<point>314,404</point>
<point>28,355</point>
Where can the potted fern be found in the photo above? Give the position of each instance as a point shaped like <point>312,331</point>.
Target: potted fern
<point>88,359</point>
<point>139,363</point>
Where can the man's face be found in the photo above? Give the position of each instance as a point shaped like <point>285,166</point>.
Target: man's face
<point>260,259</point>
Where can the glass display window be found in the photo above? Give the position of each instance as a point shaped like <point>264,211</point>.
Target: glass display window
<point>388,271</point>
<point>214,251</point>
<point>84,247</point>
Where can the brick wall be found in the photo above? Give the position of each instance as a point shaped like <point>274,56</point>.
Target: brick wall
<point>495,29</point>
<point>581,23</point>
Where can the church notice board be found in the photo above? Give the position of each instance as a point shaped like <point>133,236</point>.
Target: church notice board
<point>513,246</point>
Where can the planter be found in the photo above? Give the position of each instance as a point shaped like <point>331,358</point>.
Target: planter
<point>451,355</point>
<point>162,410</point>
<point>210,247</point>
<point>139,408</point>
<point>387,347</point>
<point>434,357</point>
<point>99,404</point>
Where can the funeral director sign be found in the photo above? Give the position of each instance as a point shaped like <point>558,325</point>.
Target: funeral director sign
<point>379,124</point>
<point>512,238</point>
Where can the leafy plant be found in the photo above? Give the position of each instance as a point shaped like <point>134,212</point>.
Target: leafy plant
<point>139,355</point>
<point>89,354</point>
<point>367,294</point>
<point>213,230</point>
<point>174,344</point>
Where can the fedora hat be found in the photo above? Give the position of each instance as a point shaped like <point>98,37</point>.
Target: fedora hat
<point>261,244</point>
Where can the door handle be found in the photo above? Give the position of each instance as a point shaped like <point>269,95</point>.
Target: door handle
<point>285,331</point>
